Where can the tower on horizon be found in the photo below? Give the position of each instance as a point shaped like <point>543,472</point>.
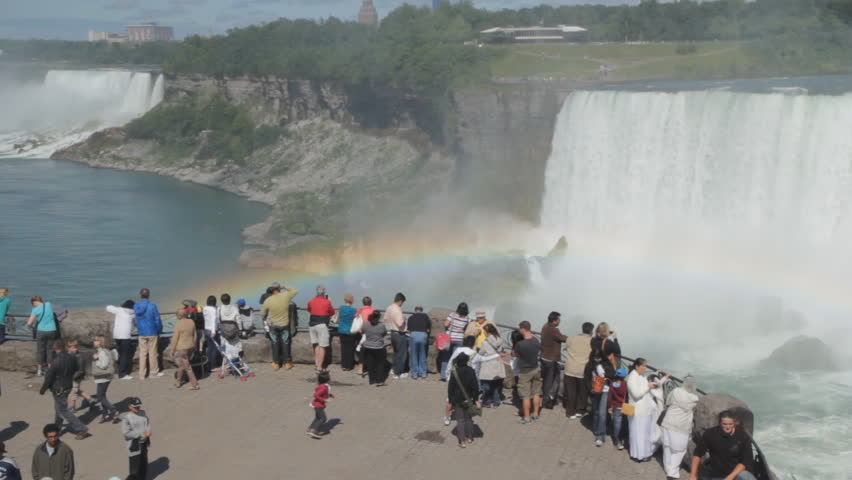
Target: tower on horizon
<point>368,14</point>
<point>436,4</point>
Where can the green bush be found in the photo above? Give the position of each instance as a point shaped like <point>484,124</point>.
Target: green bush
<point>228,131</point>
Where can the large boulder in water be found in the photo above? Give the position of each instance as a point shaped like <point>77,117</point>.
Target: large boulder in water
<point>802,353</point>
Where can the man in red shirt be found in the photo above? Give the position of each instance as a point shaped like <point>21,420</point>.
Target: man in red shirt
<point>321,311</point>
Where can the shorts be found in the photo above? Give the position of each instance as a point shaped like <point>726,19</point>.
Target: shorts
<point>529,384</point>
<point>319,335</point>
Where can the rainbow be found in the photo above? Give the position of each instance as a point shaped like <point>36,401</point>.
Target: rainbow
<point>367,269</point>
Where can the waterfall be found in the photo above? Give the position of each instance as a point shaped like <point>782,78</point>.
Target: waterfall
<point>685,215</point>
<point>759,167</point>
<point>69,105</point>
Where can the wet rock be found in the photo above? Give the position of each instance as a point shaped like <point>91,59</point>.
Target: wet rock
<point>802,353</point>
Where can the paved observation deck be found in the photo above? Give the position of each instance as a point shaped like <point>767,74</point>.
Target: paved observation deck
<point>256,430</point>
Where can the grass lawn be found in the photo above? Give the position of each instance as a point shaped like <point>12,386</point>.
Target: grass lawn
<point>626,61</point>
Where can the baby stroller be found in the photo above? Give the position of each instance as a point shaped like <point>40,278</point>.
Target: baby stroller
<point>231,348</point>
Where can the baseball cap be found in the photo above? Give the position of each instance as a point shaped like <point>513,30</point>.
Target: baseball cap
<point>135,402</point>
<point>241,302</point>
<point>275,285</point>
<point>621,372</point>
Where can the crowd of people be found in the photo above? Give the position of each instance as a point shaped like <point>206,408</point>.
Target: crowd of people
<point>583,370</point>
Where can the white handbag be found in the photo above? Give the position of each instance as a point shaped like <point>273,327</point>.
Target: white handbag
<point>357,323</point>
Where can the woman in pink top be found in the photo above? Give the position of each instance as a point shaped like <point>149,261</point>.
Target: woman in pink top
<point>364,312</point>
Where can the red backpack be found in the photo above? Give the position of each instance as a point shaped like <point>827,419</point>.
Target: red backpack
<point>442,341</point>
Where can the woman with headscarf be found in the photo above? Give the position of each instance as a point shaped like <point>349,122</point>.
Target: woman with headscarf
<point>462,392</point>
<point>642,423</point>
<point>677,425</point>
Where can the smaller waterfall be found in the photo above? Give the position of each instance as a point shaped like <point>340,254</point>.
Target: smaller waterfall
<point>70,105</point>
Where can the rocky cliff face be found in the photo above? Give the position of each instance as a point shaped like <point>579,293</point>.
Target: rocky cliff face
<point>504,138</point>
<point>354,151</point>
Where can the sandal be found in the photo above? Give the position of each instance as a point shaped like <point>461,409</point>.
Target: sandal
<point>195,388</point>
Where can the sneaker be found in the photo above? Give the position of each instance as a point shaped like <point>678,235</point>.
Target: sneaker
<point>126,377</point>
<point>275,366</point>
<point>288,366</point>
<point>598,442</point>
<point>395,376</point>
<point>525,421</point>
<point>404,375</point>
<point>447,421</point>
<point>620,445</point>
<point>82,436</point>
<point>314,435</point>
<point>161,374</point>
<point>534,418</point>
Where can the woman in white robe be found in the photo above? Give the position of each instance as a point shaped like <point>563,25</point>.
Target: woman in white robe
<point>642,423</point>
<point>677,425</point>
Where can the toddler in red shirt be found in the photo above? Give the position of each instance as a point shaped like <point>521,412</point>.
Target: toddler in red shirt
<point>321,395</point>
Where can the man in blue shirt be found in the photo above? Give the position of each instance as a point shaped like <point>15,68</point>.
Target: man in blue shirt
<point>149,326</point>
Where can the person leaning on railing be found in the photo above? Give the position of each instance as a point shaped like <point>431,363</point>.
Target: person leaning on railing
<point>4,308</point>
<point>46,331</point>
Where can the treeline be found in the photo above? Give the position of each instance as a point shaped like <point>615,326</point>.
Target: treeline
<point>415,47</point>
<point>411,47</point>
<point>94,53</point>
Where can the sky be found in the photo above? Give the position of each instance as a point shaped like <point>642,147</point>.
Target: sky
<point>71,19</point>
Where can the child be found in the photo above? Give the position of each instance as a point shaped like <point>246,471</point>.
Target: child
<point>617,397</point>
<point>102,372</point>
<point>246,322</point>
<point>321,396</point>
<point>77,391</point>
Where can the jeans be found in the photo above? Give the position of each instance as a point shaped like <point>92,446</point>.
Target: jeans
<point>214,356</point>
<point>148,355</point>
<point>347,350</point>
<point>549,375</point>
<point>400,352</point>
<point>374,360</point>
<point>44,349</point>
<point>491,392</point>
<point>599,415</point>
<point>319,419</point>
<point>418,343</point>
<point>280,338</point>
<point>445,359</point>
<point>139,463</point>
<point>576,396</point>
<point>60,406</point>
<point>125,356</point>
<point>107,407</point>
<point>617,422</point>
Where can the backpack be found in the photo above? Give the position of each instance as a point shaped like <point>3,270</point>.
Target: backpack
<point>60,313</point>
<point>442,341</point>
<point>293,312</point>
